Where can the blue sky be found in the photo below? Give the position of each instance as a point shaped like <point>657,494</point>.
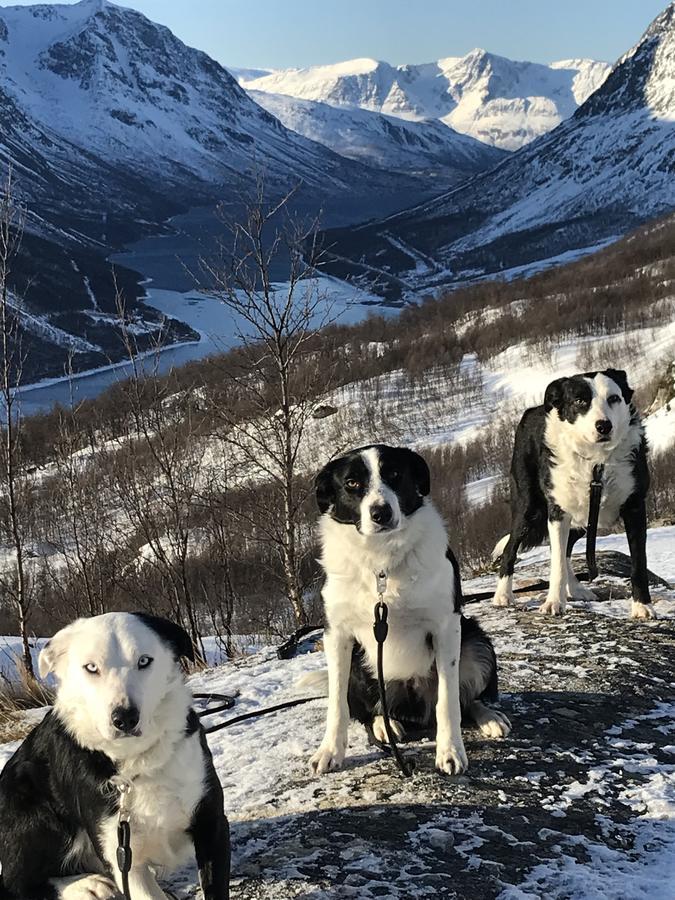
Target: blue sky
<point>283,33</point>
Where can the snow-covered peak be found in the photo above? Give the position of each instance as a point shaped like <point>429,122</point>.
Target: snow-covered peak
<point>495,99</point>
<point>604,170</point>
<point>644,78</point>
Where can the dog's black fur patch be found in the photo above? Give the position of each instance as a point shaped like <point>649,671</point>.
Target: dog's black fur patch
<point>171,634</point>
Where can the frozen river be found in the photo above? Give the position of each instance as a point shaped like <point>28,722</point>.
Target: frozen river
<point>217,326</point>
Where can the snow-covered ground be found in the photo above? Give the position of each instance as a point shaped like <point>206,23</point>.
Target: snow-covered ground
<point>577,804</point>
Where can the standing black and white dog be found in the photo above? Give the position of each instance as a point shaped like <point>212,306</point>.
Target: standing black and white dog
<point>122,717</point>
<point>585,420</point>
<point>376,517</point>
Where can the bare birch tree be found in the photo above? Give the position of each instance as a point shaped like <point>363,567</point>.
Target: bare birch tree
<point>274,389</point>
<point>15,581</point>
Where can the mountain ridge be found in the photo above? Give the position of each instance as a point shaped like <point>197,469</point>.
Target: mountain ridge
<point>604,170</point>
<point>502,102</point>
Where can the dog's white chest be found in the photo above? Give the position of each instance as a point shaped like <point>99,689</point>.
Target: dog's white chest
<point>161,805</point>
<point>408,651</point>
<point>571,486</point>
<point>415,609</point>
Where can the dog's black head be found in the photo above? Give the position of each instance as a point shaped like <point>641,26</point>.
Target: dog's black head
<point>374,488</point>
<point>596,404</point>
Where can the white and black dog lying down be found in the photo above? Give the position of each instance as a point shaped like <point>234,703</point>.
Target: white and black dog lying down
<point>377,516</point>
<point>585,420</point>
<point>122,710</point>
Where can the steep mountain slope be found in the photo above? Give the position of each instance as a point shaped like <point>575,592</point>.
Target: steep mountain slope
<point>607,168</point>
<point>389,142</point>
<point>494,99</point>
<point>111,81</point>
<point>111,125</point>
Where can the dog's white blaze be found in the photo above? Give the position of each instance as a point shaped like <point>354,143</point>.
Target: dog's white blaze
<point>575,451</point>
<point>378,493</point>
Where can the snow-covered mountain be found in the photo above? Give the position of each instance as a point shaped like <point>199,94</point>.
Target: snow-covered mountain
<point>109,80</point>
<point>607,168</point>
<point>389,142</point>
<point>111,124</point>
<point>496,100</point>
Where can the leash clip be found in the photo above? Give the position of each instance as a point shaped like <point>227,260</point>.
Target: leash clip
<point>381,584</point>
<point>598,472</point>
<point>124,789</point>
<point>123,855</point>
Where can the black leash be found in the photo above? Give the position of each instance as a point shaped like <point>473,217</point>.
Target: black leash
<point>244,717</point>
<point>593,516</point>
<point>227,701</point>
<point>380,630</point>
<point>124,789</point>
<point>124,855</point>
<point>591,538</point>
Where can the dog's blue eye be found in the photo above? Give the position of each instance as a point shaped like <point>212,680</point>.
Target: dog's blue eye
<point>144,662</point>
<point>613,399</point>
<point>92,668</point>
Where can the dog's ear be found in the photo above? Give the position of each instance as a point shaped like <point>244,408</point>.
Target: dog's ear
<point>420,472</point>
<point>173,635</point>
<point>47,659</point>
<point>55,649</point>
<point>324,486</point>
<point>555,394</point>
<point>620,377</point>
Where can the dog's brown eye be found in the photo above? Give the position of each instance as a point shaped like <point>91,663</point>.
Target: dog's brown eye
<point>352,484</point>
<point>92,668</point>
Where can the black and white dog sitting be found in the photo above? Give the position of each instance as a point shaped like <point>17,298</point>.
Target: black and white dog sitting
<point>585,420</point>
<point>122,717</point>
<point>376,517</point>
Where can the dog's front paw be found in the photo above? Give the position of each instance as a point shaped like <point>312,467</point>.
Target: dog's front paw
<point>641,610</point>
<point>451,758</point>
<point>327,759</point>
<point>495,725</point>
<point>503,598</point>
<point>380,732</point>
<point>504,595</point>
<point>89,887</point>
<point>553,606</point>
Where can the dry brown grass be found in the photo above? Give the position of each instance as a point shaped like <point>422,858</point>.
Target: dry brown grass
<point>17,695</point>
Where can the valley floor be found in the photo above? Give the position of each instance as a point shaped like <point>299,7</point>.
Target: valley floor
<point>577,803</point>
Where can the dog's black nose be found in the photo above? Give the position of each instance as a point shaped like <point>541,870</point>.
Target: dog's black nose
<point>381,513</point>
<point>603,426</point>
<point>125,718</point>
